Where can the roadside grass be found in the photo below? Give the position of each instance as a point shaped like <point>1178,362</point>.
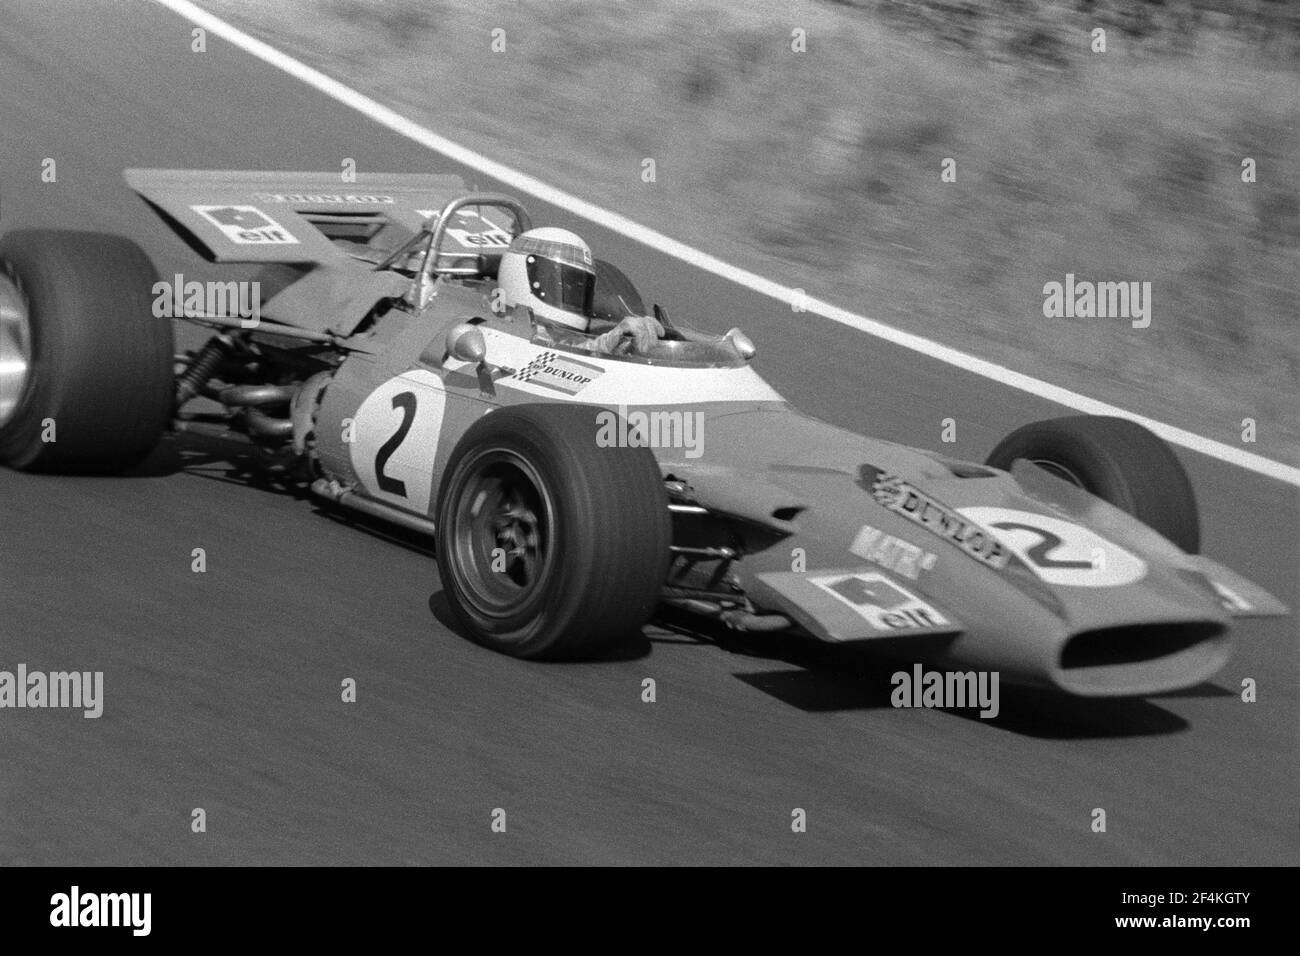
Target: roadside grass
<point>821,169</point>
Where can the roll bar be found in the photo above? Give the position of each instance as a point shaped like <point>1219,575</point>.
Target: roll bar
<point>434,230</point>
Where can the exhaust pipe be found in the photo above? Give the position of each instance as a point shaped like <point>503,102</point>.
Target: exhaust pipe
<point>253,395</point>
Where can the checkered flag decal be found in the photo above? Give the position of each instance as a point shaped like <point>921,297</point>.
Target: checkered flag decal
<point>536,365</point>
<point>887,488</point>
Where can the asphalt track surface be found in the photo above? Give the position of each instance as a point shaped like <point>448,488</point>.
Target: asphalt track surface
<point>222,690</point>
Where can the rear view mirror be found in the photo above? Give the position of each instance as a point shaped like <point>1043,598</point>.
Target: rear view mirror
<point>465,342</point>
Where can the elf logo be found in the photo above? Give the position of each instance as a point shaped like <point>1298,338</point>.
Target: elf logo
<point>886,606</point>
<point>75,909</point>
<point>246,225</point>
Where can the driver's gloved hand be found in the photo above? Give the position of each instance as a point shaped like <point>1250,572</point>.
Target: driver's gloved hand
<point>634,333</point>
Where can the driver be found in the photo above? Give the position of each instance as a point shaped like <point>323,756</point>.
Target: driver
<point>551,271</point>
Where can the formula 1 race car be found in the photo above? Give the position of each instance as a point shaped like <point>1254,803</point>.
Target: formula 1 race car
<point>570,492</point>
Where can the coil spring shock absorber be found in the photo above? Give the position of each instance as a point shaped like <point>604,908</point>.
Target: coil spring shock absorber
<point>201,369</point>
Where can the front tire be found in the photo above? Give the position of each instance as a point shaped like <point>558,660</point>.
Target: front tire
<point>550,546</point>
<point>86,382</point>
<point>1117,460</point>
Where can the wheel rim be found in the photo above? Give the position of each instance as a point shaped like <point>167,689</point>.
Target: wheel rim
<point>15,348</point>
<point>502,503</point>
<point>1060,471</point>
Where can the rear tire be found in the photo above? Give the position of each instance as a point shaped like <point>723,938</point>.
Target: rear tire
<point>1117,460</point>
<point>99,380</point>
<point>583,533</point>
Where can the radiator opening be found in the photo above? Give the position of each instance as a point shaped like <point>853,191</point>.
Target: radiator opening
<point>1133,644</point>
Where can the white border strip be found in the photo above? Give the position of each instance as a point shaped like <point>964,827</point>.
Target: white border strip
<point>701,260</point>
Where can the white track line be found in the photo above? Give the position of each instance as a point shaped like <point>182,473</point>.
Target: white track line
<point>701,260</point>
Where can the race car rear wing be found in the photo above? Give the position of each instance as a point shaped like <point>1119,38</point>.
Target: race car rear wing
<point>231,216</point>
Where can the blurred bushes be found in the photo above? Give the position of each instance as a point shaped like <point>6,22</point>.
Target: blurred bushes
<point>1033,28</point>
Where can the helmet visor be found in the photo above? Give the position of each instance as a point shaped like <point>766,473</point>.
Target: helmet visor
<point>566,285</point>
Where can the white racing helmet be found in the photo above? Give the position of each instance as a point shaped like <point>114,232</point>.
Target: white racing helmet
<point>550,271</point>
